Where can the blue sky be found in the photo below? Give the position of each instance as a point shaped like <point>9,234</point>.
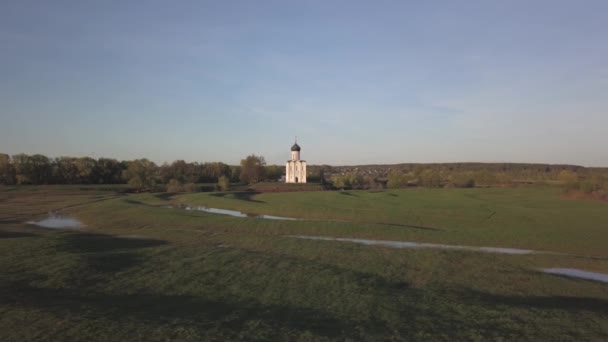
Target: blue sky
<point>358,82</point>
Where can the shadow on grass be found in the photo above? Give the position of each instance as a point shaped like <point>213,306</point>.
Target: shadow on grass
<point>9,221</point>
<point>233,316</point>
<point>592,257</point>
<point>408,226</point>
<point>132,201</point>
<point>105,253</point>
<point>346,193</point>
<point>241,195</point>
<point>165,196</point>
<point>112,262</point>
<point>10,235</point>
<point>96,243</point>
<point>137,202</point>
<point>564,303</point>
<point>399,312</point>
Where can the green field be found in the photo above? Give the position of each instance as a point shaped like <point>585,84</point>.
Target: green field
<point>142,271</point>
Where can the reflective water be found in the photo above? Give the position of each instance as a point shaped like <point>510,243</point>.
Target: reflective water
<point>408,244</point>
<point>576,273</point>
<point>58,221</point>
<point>233,213</point>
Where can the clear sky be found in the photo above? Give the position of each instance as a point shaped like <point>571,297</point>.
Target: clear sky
<point>357,81</point>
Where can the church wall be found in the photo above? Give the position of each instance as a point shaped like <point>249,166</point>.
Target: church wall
<point>293,169</point>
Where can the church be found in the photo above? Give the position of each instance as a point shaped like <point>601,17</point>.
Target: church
<point>295,169</point>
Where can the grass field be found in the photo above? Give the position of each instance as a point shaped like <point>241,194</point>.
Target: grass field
<point>142,271</point>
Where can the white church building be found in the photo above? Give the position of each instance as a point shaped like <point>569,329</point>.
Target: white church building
<point>295,169</point>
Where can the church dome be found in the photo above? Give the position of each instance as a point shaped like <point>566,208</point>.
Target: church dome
<point>295,147</point>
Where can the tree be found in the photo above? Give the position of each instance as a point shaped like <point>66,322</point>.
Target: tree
<point>503,179</point>
<point>485,178</point>
<point>223,183</point>
<point>235,173</point>
<point>179,169</point>
<point>41,169</point>
<point>340,182</point>
<point>109,171</point>
<point>213,171</point>
<point>356,181</point>
<point>191,187</point>
<point>175,186</point>
<point>463,180</point>
<point>252,169</point>
<point>66,171</point>
<point>568,179</point>
<point>7,171</point>
<point>22,168</point>
<point>430,178</point>
<point>35,169</point>
<point>397,179</point>
<point>274,172</point>
<point>86,168</point>
<point>141,174</point>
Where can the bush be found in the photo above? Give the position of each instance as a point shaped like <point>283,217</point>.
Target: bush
<point>141,174</point>
<point>223,183</point>
<point>463,180</point>
<point>191,187</point>
<point>595,183</point>
<point>174,186</point>
<point>430,178</point>
<point>503,179</point>
<point>568,179</point>
<point>352,181</point>
<point>484,178</point>
<point>398,179</point>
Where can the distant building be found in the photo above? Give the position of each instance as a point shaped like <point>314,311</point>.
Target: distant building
<point>295,169</point>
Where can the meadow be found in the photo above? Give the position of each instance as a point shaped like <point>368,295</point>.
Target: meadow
<point>144,269</point>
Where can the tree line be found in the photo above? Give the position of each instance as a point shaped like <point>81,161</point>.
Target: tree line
<point>139,173</point>
<point>587,180</point>
<point>183,176</point>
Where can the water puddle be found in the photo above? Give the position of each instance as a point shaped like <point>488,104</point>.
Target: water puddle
<point>576,273</point>
<point>58,221</point>
<point>408,244</point>
<point>232,213</point>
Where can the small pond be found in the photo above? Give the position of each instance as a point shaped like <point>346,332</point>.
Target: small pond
<point>233,213</point>
<point>56,221</point>
<point>408,244</point>
<point>576,273</point>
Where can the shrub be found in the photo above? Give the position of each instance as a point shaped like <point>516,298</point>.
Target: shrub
<point>223,183</point>
<point>174,186</point>
<point>190,187</point>
<point>484,178</point>
<point>593,184</point>
<point>568,179</point>
<point>398,179</point>
<point>430,178</point>
<point>463,180</point>
<point>352,181</point>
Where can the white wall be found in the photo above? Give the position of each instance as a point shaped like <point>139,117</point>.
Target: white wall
<point>293,169</point>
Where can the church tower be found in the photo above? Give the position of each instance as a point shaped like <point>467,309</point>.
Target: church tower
<point>295,169</point>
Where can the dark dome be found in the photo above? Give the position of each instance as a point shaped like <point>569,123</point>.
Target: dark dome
<point>295,147</point>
